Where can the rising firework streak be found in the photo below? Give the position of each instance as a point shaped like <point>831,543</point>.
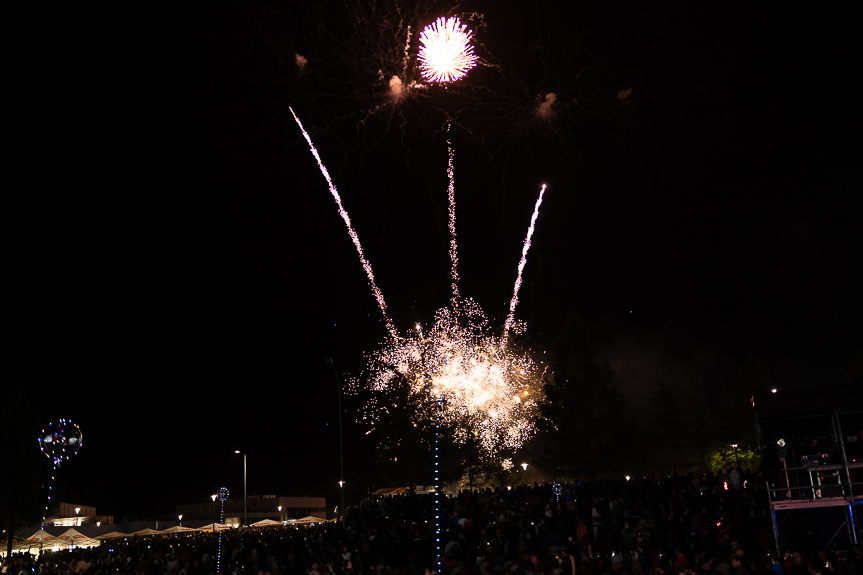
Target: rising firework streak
<point>379,296</point>
<point>453,247</point>
<point>521,263</point>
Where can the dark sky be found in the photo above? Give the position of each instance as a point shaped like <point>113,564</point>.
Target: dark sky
<point>181,271</point>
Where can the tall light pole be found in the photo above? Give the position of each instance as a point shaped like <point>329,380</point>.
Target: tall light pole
<point>341,447</point>
<point>180,517</point>
<point>213,509</point>
<point>245,513</point>
<point>77,517</point>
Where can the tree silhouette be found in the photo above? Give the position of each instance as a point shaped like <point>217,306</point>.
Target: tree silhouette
<point>584,430</point>
<point>669,418</point>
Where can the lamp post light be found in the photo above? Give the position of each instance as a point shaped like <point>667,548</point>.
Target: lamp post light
<point>736,457</point>
<point>329,360</point>
<point>280,513</point>
<point>245,513</point>
<point>180,517</point>
<point>213,509</point>
<point>77,516</point>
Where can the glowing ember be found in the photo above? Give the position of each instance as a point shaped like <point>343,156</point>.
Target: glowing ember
<point>445,53</point>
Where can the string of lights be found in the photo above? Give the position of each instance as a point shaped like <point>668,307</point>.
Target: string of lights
<point>59,440</point>
<point>223,495</point>
<point>437,486</point>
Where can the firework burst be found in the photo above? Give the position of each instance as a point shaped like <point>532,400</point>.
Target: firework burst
<point>446,53</point>
<point>457,371</point>
<point>487,391</point>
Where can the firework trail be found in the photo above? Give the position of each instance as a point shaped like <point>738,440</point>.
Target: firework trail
<point>379,296</point>
<point>521,263</point>
<point>453,247</point>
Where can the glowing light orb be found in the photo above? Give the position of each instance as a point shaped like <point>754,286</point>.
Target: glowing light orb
<point>446,53</point>
<point>60,440</point>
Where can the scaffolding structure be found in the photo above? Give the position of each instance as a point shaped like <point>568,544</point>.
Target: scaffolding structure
<point>826,476</point>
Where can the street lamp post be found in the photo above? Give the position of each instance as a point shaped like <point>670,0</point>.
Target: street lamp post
<point>180,517</point>
<point>280,513</point>
<point>341,446</point>
<point>245,513</point>
<point>77,516</point>
<point>213,509</point>
<point>736,457</point>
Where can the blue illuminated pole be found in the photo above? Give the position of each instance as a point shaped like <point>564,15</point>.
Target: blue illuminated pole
<point>223,494</point>
<point>437,489</point>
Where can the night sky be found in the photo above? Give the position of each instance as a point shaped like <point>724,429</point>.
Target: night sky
<point>180,270</point>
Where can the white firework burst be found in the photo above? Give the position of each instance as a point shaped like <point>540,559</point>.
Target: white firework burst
<point>446,53</point>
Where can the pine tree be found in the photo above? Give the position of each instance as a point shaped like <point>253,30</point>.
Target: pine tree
<point>669,419</point>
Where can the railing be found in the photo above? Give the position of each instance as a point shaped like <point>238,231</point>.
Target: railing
<point>816,482</point>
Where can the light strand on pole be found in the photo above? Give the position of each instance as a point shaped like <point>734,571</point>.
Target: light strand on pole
<point>60,440</point>
<point>223,495</point>
<point>437,488</point>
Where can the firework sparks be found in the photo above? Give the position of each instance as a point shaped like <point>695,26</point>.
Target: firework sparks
<point>379,296</point>
<point>521,263</point>
<point>446,53</point>
<point>486,390</point>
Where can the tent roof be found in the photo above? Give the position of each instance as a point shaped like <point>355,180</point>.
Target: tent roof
<point>178,529</point>
<point>78,539</point>
<point>112,535</point>
<point>72,534</point>
<point>214,527</point>
<point>41,535</point>
<point>311,519</point>
<point>146,532</point>
<point>266,523</point>
<point>391,491</point>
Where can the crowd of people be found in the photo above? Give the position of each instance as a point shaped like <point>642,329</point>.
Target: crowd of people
<point>681,525</point>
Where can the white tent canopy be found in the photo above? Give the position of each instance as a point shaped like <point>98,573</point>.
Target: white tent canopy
<point>178,529</point>
<point>113,535</point>
<point>214,527</point>
<point>72,537</point>
<point>310,519</point>
<point>266,523</point>
<point>142,532</point>
<point>41,535</point>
